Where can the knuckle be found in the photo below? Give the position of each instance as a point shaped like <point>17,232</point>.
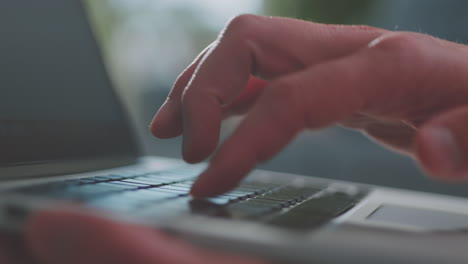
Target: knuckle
<point>194,98</point>
<point>401,51</point>
<point>243,25</point>
<point>398,42</point>
<point>365,28</point>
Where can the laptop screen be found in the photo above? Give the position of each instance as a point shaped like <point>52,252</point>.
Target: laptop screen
<point>56,102</point>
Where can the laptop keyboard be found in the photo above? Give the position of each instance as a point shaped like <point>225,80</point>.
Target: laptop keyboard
<point>165,194</point>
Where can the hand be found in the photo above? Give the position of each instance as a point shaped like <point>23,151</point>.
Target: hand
<point>81,238</point>
<point>408,90</point>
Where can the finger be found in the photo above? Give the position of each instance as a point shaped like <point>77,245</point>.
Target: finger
<point>253,89</point>
<point>79,238</point>
<point>325,94</point>
<point>442,145</point>
<point>167,122</point>
<point>312,98</point>
<point>246,99</point>
<point>395,134</point>
<point>266,47</point>
<point>13,251</point>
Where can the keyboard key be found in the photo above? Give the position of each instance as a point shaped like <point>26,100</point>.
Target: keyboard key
<point>84,192</point>
<point>330,203</point>
<point>258,186</point>
<point>130,201</point>
<point>131,184</point>
<point>220,200</point>
<point>153,182</point>
<point>163,190</point>
<point>266,202</point>
<point>291,194</point>
<point>299,220</point>
<point>175,175</point>
<point>316,211</point>
<point>100,178</point>
<point>149,197</point>
<point>86,181</point>
<point>241,193</point>
<point>108,187</point>
<point>246,210</point>
<point>112,177</point>
<point>206,207</point>
<point>115,203</point>
<point>174,189</point>
<point>167,209</point>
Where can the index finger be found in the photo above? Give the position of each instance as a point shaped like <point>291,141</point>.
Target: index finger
<point>265,47</point>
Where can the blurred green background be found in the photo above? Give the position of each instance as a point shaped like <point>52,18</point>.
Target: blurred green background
<point>147,43</point>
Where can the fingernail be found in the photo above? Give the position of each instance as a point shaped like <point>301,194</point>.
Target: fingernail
<point>445,149</point>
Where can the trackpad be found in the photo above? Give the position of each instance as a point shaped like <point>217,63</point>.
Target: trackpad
<point>418,218</point>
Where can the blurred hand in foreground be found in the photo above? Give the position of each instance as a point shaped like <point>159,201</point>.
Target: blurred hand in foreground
<point>407,90</point>
<point>83,238</point>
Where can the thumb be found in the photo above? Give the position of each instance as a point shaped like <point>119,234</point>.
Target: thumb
<point>442,145</point>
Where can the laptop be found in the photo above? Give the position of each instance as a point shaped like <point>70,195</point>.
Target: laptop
<point>65,138</point>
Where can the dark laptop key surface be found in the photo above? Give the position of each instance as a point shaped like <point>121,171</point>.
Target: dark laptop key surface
<point>153,182</point>
<point>317,211</point>
<point>163,195</point>
<point>252,210</point>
